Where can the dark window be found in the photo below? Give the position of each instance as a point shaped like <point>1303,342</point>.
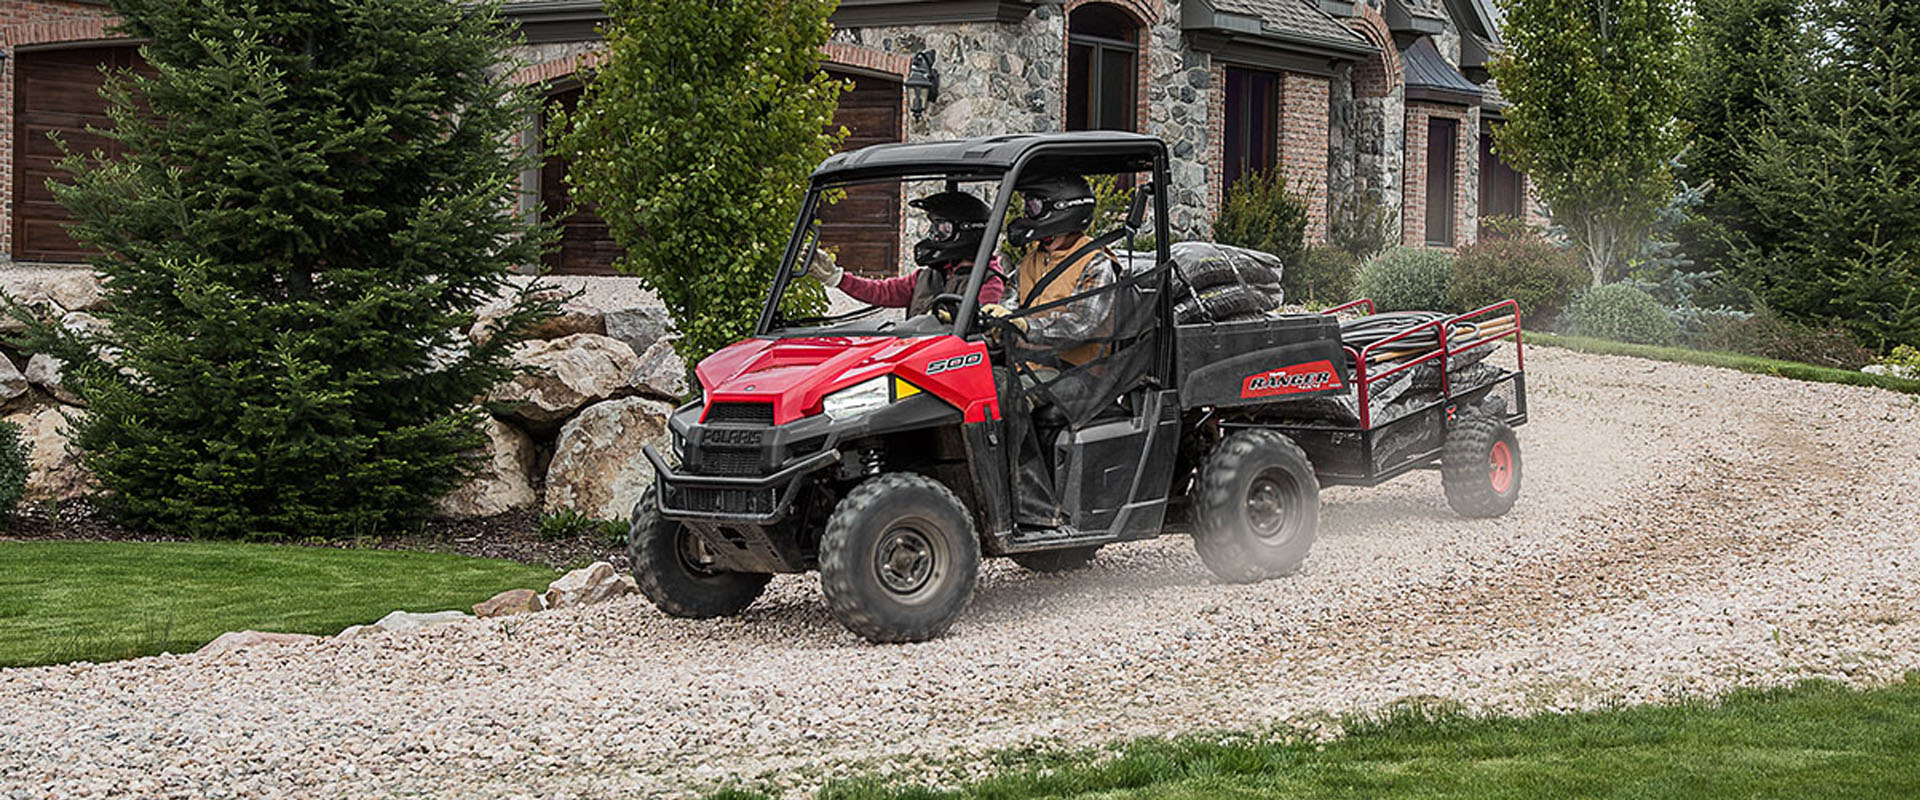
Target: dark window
<point>1250,123</point>
<point>1501,190</point>
<point>1443,136</point>
<point>1103,53</point>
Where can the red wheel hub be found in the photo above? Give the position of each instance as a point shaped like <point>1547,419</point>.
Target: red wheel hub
<point>1500,470</point>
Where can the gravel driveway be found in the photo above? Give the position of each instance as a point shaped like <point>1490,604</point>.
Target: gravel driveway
<point>1682,530</point>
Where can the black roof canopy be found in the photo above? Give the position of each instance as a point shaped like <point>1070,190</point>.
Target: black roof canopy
<point>1085,152</point>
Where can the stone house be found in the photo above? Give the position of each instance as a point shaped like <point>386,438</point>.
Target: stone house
<point>1382,99</point>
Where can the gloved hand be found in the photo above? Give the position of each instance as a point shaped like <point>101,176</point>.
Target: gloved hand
<point>998,318</point>
<point>824,269</point>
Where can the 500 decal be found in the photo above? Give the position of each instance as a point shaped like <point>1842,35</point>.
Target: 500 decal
<point>956,362</point>
<point>1314,377</point>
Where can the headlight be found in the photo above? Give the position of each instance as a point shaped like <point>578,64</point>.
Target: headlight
<point>866,396</point>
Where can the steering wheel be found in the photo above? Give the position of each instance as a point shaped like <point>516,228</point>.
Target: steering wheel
<point>946,307</point>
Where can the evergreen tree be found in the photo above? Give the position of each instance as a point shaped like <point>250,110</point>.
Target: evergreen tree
<point>317,195</point>
<point>694,140</point>
<point>1833,179</point>
<point>1594,87</point>
<point>1743,52</point>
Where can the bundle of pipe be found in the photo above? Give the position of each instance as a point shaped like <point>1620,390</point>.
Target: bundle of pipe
<point>1364,331</point>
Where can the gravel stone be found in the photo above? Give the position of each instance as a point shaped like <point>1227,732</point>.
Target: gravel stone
<point>1683,530</point>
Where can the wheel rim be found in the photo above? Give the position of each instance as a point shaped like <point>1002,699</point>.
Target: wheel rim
<point>694,555</point>
<point>1271,511</point>
<point>906,560</point>
<point>1500,467</point>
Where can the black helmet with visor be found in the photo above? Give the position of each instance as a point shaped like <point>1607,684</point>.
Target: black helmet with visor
<point>1055,205</point>
<point>957,222</point>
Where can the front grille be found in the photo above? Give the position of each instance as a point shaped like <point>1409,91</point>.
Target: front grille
<point>740,413</point>
<point>724,501</point>
<point>715,461</point>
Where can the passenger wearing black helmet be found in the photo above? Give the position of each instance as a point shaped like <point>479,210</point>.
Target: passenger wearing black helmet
<point>957,223</point>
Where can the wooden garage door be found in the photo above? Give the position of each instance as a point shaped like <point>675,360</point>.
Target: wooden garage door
<point>865,226</point>
<point>586,247</point>
<point>56,91</point>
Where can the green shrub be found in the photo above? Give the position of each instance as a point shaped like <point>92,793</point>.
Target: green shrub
<point>1261,213</point>
<point>1407,279</point>
<point>14,468</point>
<point>1769,335</point>
<point>572,524</point>
<point>1541,277</point>
<point>1621,313</point>
<point>1323,276</point>
<point>1905,357</point>
<point>1360,224</point>
<point>311,204</point>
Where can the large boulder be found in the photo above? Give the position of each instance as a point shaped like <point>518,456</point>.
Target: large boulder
<point>510,602</point>
<point>565,375</point>
<point>639,326</point>
<point>597,467</point>
<point>662,373</point>
<point>502,482</point>
<point>574,316</point>
<point>55,473</point>
<point>596,583</point>
<point>54,291</point>
<point>49,373</point>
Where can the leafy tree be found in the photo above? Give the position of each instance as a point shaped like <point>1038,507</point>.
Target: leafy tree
<point>317,196</point>
<point>695,139</point>
<point>1833,179</point>
<point>1594,87</point>
<point>1742,53</point>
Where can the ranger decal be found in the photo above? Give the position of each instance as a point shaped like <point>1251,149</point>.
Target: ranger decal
<point>1297,379</point>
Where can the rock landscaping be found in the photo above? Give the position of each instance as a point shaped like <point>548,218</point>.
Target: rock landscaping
<point>1685,530</point>
<point>599,379</point>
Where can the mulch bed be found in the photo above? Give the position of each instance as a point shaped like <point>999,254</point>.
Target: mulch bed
<point>512,536</point>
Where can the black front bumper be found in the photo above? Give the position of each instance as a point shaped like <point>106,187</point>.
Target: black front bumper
<point>760,500</point>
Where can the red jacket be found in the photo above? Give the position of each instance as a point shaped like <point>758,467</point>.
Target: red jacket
<point>898,292</point>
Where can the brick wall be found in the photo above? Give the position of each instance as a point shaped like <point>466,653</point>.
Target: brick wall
<point>1466,171</point>
<point>1304,105</point>
<point>27,24</point>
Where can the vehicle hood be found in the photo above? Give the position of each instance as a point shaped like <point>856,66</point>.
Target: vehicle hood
<point>794,374</point>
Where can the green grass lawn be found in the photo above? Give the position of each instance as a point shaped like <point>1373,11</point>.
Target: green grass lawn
<point>1811,741</point>
<point>100,601</point>
<point>1753,364</point>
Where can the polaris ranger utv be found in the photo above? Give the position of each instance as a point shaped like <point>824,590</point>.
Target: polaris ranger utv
<point>878,452</point>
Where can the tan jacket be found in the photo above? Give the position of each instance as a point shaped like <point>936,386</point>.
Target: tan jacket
<point>1061,327</point>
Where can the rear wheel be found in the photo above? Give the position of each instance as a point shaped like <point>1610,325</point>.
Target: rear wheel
<point>675,570</point>
<point>898,559</point>
<point>1071,558</point>
<point>1258,507</point>
<point>1480,467</point>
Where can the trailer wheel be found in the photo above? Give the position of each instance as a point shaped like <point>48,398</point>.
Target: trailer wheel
<point>674,569</point>
<point>1258,507</point>
<point>1066,560</point>
<point>898,558</point>
<point>1480,467</point>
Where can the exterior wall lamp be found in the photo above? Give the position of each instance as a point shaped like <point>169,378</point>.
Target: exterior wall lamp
<point>922,84</point>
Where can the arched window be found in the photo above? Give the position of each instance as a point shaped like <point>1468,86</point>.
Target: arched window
<point>1103,69</point>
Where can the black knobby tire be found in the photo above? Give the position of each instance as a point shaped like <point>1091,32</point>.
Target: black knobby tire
<point>1258,505</point>
<point>1071,558</point>
<point>898,558</point>
<point>667,566</point>
<point>1480,467</point>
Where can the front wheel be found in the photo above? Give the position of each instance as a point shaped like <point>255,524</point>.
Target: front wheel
<point>674,569</point>
<point>898,559</point>
<point>1258,507</point>
<point>1480,467</point>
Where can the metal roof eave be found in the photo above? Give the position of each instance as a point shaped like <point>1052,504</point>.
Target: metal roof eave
<point>1245,39</point>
